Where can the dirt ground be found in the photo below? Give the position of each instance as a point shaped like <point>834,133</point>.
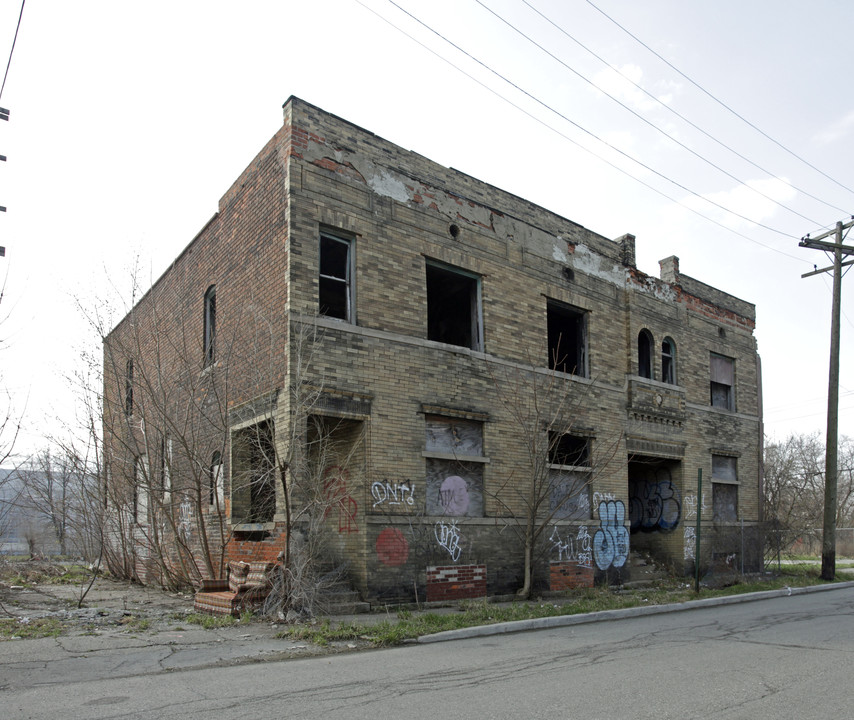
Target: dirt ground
<point>109,605</point>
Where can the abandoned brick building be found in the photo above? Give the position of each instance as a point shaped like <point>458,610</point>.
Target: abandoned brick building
<point>443,367</point>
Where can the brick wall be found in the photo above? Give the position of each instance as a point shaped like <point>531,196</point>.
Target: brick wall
<point>456,582</point>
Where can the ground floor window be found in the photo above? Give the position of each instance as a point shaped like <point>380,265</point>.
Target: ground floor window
<point>253,474</point>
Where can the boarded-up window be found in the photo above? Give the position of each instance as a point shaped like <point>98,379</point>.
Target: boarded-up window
<point>724,502</point>
<point>454,466</point>
<point>722,377</point>
<point>569,476</point>
<point>724,468</point>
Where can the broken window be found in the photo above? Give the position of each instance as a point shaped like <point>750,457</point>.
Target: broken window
<point>453,306</point>
<point>724,488</point>
<point>140,490</point>
<point>645,354</point>
<point>569,476</point>
<point>567,338</point>
<point>668,361</point>
<point>335,286</point>
<point>454,466</point>
<point>721,370</point>
<point>253,474</point>
<point>215,480</point>
<point>209,338</point>
<point>129,388</point>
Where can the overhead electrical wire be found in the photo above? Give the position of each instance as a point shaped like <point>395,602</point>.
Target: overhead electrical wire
<point>14,40</point>
<point>718,101</point>
<point>590,132</point>
<point>673,110</point>
<point>643,119</point>
<point>576,143</point>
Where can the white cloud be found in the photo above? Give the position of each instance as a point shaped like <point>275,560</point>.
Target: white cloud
<point>836,130</point>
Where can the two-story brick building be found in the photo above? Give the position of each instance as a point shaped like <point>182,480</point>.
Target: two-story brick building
<point>441,361</point>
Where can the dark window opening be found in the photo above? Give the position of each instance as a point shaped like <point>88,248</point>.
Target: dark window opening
<point>453,315</point>
<point>335,292</point>
<point>253,493</point>
<point>210,326</point>
<point>569,450</point>
<point>668,361</point>
<point>129,388</point>
<point>645,354</point>
<point>567,337</point>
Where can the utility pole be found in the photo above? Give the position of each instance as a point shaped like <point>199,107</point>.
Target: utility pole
<point>828,542</point>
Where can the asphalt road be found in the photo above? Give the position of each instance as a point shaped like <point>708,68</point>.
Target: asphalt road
<point>787,657</point>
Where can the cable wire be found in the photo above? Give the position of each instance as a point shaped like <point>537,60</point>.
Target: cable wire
<point>14,40</point>
<point>574,142</point>
<point>589,132</point>
<point>719,102</point>
<point>676,112</point>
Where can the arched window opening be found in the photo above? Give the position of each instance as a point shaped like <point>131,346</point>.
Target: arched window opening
<point>668,361</point>
<point>645,354</point>
<point>210,326</point>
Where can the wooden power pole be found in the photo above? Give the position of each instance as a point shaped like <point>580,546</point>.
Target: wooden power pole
<point>828,542</point>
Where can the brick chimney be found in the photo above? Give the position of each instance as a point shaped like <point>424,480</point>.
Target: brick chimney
<point>669,269</point>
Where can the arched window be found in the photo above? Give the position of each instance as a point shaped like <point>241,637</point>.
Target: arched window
<point>645,354</point>
<point>668,361</point>
<point>209,338</point>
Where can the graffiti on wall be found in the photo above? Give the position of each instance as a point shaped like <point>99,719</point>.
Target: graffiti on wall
<point>690,542</point>
<point>611,540</point>
<point>448,536</point>
<point>335,492</point>
<point>653,505</point>
<point>578,548</point>
<point>388,493</point>
<point>691,506</point>
<point>392,547</point>
<point>185,519</point>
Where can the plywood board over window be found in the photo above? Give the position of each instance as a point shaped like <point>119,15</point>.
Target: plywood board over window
<point>454,466</point>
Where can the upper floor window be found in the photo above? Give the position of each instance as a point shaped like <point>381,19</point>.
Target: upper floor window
<point>453,306</point>
<point>567,338</point>
<point>129,387</point>
<point>722,376</point>
<point>336,271</point>
<point>209,338</point>
<point>645,354</point>
<point>668,361</point>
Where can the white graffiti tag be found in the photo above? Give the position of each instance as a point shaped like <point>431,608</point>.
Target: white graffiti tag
<point>385,492</point>
<point>690,542</point>
<point>185,519</point>
<point>691,506</point>
<point>579,548</point>
<point>448,537</point>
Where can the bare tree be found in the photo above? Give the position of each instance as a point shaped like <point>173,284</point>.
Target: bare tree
<point>546,411</point>
<point>794,487</point>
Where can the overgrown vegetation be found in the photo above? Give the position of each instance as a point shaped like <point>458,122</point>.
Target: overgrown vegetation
<point>406,625</point>
<point>42,572</point>
<point>29,628</point>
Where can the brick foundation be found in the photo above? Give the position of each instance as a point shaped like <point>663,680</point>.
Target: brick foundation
<point>456,582</point>
<point>568,575</point>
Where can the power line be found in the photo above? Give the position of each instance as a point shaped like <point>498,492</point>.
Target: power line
<point>589,132</point>
<point>562,135</point>
<point>719,102</point>
<point>641,117</point>
<point>673,110</point>
<point>9,62</point>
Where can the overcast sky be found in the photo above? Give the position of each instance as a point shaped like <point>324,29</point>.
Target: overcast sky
<point>130,120</point>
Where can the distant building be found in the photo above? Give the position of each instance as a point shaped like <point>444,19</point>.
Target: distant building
<point>415,306</point>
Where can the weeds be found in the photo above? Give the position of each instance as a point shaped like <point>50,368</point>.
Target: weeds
<point>209,622</point>
<point>29,628</point>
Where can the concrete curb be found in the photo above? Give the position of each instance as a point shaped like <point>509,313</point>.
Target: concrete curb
<point>564,620</point>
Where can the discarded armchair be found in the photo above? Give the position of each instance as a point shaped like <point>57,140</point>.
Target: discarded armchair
<point>246,585</point>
